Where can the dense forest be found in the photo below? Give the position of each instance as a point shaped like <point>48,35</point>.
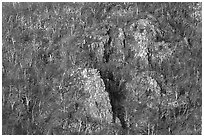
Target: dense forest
<point>101,68</point>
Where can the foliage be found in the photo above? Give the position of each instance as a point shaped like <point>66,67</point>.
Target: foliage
<point>58,58</point>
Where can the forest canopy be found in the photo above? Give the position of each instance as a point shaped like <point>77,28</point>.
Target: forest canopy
<point>101,68</point>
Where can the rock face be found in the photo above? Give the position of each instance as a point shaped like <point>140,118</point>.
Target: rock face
<point>139,93</point>
<point>115,87</point>
<point>80,102</point>
<point>98,104</point>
